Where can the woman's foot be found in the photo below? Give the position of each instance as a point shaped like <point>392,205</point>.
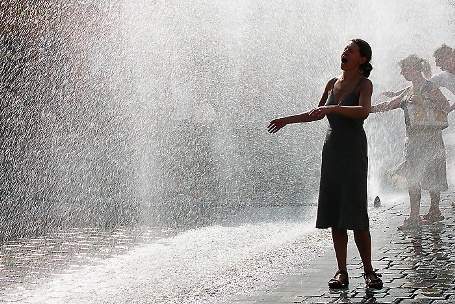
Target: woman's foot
<point>411,223</point>
<point>339,280</point>
<point>433,217</point>
<point>373,280</point>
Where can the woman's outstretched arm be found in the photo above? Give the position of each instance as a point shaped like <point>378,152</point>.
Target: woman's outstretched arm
<point>389,105</point>
<point>278,123</point>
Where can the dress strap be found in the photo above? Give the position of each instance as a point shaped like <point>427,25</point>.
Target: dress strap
<point>335,79</point>
<point>361,80</point>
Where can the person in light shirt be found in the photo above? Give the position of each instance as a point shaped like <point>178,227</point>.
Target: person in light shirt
<point>444,57</point>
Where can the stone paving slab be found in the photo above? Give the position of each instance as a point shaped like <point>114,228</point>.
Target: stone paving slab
<point>416,266</point>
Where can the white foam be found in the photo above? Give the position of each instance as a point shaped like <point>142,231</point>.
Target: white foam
<point>195,266</point>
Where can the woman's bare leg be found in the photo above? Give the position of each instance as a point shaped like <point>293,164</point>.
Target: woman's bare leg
<point>340,243</point>
<point>414,220</point>
<point>363,242</point>
<point>414,199</point>
<point>434,203</point>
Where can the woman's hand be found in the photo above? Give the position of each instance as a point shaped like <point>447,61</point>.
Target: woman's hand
<point>321,112</point>
<point>276,124</point>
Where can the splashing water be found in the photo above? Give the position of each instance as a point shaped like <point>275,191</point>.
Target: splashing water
<point>153,113</point>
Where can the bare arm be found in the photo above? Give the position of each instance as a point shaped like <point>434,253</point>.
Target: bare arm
<point>361,111</point>
<point>278,123</point>
<point>389,105</point>
<point>391,94</point>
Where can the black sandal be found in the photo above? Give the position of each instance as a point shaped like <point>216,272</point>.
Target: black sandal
<point>373,280</point>
<point>336,281</point>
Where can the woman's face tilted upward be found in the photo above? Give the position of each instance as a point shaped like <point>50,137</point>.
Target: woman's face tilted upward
<point>351,58</point>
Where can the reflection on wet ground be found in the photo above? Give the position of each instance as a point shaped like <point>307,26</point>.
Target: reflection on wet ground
<point>417,266</point>
<point>25,262</point>
<point>29,261</point>
<point>425,268</point>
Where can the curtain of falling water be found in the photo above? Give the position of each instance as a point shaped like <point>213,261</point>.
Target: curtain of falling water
<point>107,103</point>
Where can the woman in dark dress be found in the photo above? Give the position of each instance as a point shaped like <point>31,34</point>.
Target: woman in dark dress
<point>342,204</point>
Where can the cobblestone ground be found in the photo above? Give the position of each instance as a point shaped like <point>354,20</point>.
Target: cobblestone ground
<point>417,266</point>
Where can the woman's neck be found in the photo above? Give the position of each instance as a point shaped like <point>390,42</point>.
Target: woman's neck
<point>351,75</point>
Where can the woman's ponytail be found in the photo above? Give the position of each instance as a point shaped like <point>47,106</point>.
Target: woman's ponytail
<point>365,51</point>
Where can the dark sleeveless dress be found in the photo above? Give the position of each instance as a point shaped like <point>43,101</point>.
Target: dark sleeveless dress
<point>343,187</point>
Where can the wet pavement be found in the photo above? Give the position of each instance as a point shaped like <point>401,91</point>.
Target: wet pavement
<point>416,266</point>
<point>26,262</point>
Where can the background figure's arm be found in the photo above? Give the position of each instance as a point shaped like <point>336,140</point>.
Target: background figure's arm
<point>389,105</point>
<point>385,106</point>
<point>391,94</point>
